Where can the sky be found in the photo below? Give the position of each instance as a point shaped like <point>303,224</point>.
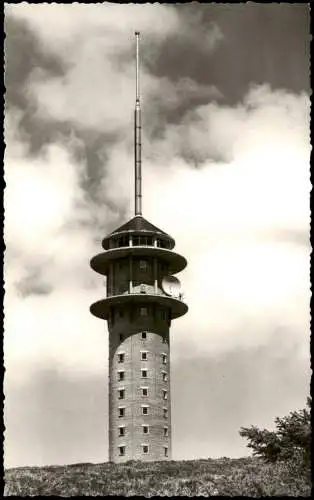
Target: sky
<point>226,109</point>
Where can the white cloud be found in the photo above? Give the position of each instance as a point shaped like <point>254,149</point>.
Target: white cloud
<point>112,25</point>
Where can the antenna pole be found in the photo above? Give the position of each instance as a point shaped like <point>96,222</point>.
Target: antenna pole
<point>137,138</point>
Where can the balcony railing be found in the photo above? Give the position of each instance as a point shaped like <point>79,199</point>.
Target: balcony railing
<point>141,241</point>
<point>141,290</point>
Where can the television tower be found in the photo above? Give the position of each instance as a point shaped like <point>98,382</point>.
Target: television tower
<point>142,297</point>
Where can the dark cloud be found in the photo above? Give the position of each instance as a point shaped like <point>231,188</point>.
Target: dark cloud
<point>262,43</point>
<point>24,54</point>
<point>242,44</point>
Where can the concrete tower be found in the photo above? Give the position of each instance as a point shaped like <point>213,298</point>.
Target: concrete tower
<point>142,298</point>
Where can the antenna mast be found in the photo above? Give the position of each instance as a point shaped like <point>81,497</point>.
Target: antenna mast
<point>137,138</point>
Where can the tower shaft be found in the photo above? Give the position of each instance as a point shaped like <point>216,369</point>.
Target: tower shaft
<point>139,384</point>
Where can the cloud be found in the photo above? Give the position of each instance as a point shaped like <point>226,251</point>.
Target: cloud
<point>99,59</point>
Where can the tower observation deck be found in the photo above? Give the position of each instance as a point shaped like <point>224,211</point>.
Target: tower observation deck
<point>142,297</point>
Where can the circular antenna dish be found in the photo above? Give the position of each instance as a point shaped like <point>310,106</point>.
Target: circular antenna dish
<point>171,286</point>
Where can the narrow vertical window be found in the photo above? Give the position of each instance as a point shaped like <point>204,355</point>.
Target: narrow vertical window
<point>121,375</point>
<point>144,410</point>
<point>143,265</point>
<point>166,451</point>
<point>145,391</point>
<point>121,451</point>
<point>165,394</point>
<point>144,355</point>
<point>121,393</point>
<point>164,376</point>
<point>165,412</point>
<point>145,429</point>
<point>144,335</point>
<point>121,411</point>
<point>121,357</point>
<point>145,449</point>
<point>121,430</point>
<point>165,431</point>
<point>164,359</point>
<point>143,311</point>
<point>144,373</point>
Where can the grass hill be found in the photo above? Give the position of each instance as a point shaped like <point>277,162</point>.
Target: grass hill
<point>210,477</point>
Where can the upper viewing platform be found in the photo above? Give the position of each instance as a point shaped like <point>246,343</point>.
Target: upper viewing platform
<point>138,239</point>
<point>143,234</point>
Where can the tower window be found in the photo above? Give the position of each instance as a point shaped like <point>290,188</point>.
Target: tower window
<point>144,335</point>
<point>144,355</point>
<point>165,431</point>
<point>123,241</point>
<point>143,311</point>
<point>164,359</point>
<point>144,373</point>
<point>121,357</point>
<point>136,240</point>
<point>144,391</point>
<point>166,451</point>
<point>143,265</point>
<point>121,451</point>
<point>145,429</point>
<point>121,393</point>
<point>145,448</point>
<point>163,314</point>
<point>121,374</point>
<point>121,411</point>
<point>144,410</point>
<point>121,430</point>
<point>164,376</point>
<point>165,394</point>
<point>165,412</point>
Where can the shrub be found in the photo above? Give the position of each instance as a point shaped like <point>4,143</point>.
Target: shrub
<point>290,440</point>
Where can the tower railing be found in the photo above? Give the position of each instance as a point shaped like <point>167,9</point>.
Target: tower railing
<point>141,290</point>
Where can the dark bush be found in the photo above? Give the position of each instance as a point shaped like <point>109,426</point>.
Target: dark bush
<point>290,440</point>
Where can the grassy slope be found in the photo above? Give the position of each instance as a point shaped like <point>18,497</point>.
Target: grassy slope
<point>224,476</point>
